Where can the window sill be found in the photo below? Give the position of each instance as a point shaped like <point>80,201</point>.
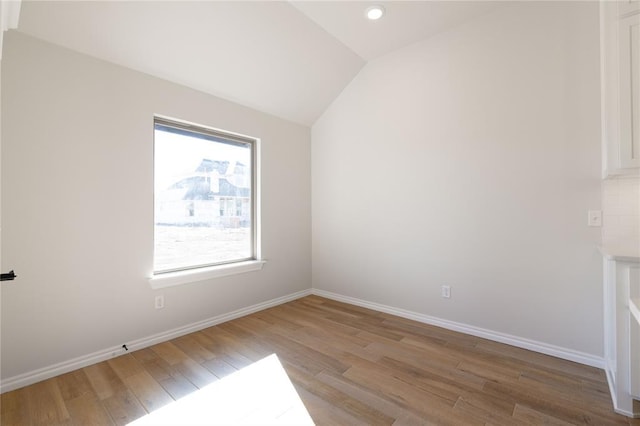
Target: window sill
<point>171,279</point>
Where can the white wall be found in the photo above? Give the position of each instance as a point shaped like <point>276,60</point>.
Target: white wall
<point>471,159</point>
<point>77,198</point>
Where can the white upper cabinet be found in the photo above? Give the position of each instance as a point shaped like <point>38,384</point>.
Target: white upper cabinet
<point>629,6</point>
<point>630,91</point>
<point>620,56</point>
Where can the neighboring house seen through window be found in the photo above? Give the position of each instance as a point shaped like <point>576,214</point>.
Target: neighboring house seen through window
<point>204,190</point>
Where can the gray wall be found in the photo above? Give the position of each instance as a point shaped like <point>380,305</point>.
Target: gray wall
<point>77,199</point>
<point>471,159</point>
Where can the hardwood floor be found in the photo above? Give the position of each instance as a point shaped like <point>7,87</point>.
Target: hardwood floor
<point>349,365</point>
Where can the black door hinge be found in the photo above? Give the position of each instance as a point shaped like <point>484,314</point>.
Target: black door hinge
<point>8,277</point>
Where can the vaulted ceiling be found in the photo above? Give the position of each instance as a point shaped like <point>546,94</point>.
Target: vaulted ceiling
<point>289,59</point>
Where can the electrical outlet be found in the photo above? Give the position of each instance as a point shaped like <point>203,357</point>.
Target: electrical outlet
<point>445,291</point>
<point>159,302</point>
<point>595,218</point>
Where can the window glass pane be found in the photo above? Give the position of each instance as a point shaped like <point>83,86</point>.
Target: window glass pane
<point>203,203</point>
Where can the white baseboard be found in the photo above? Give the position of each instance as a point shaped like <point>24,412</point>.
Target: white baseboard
<point>614,398</point>
<point>73,364</point>
<point>520,342</point>
<point>64,367</point>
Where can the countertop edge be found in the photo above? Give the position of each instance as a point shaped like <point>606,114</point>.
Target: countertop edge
<point>619,255</point>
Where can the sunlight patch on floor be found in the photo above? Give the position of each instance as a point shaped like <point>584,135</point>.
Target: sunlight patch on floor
<point>258,394</point>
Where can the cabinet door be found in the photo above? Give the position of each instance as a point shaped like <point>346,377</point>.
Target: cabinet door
<point>610,319</point>
<point>634,362</point>
<point>629,6</point>
<point>630,91</point>
<point>634,333</point>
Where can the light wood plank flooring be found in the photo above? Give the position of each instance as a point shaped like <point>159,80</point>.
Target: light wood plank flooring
<point>349,365</point>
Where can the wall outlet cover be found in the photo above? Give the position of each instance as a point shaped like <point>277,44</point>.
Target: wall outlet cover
<point>446,291</point>
<point>594,218</point>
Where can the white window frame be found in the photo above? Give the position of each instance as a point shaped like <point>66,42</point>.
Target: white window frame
<point>159,280</point>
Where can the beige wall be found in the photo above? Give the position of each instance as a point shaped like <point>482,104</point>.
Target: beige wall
<point>471,160</point>
<point>77,198</point>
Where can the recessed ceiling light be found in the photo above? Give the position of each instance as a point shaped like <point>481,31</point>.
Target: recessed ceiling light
<point>374,12</point>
